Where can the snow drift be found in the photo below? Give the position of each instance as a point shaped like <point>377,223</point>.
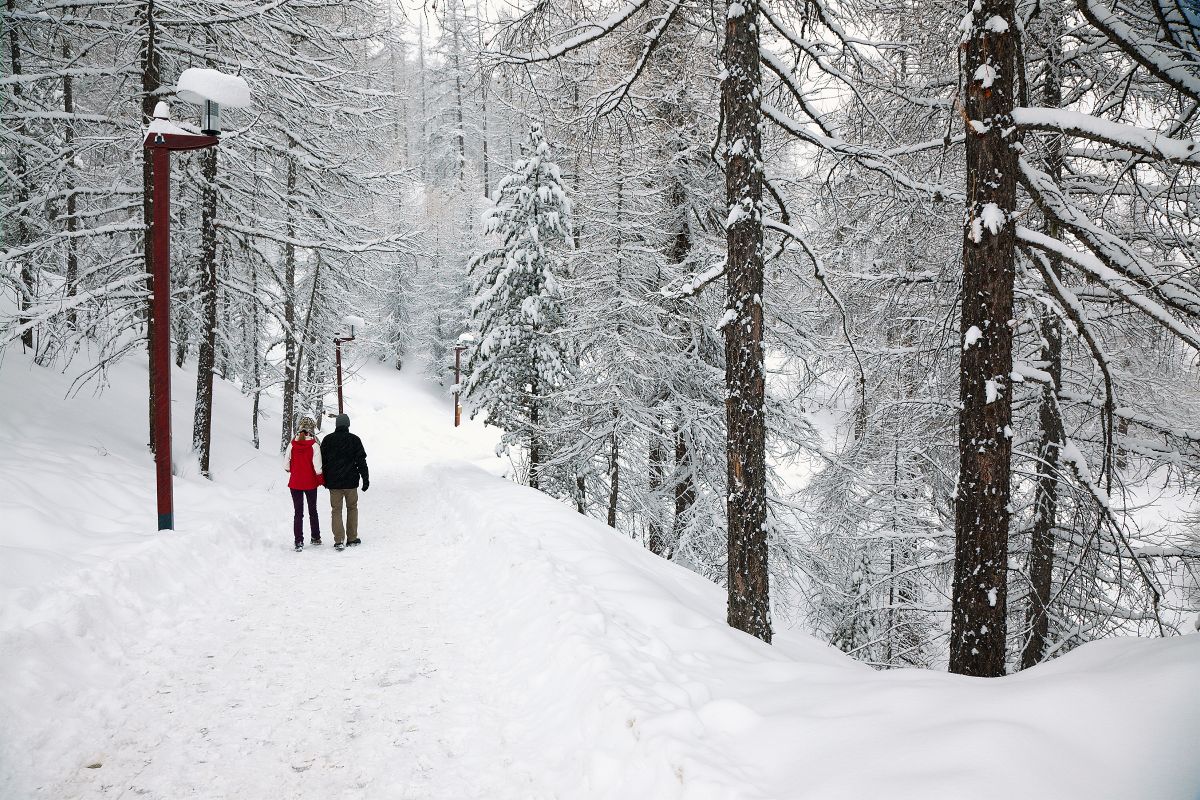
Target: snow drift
<point>633,686</point>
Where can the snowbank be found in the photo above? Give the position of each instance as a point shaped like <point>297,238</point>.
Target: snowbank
<point>633,686</point>
<point>84,574</point>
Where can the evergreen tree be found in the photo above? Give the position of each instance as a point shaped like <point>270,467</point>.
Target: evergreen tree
<point>517,308</point>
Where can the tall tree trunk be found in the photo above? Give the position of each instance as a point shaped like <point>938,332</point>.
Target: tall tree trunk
<point>315,392</point>
<point>185,287</point>
<point>981,508</point>
<point>681,246</point>
<point>206,361</point>
<point>656,479</point>
<point>21,234</point>
<point>255,361</point>
<point>535,447</point>
<point>423,153</point>
<point>400,120</point>
<point>483,122</point>
<point>614,476</point>
<point>461,133</point>
<point>1045,508</point>
<point>290,366</point>
<point>749,584</point>
<point>150,84</point>
<point>72,264</point>
<point>685,490</point>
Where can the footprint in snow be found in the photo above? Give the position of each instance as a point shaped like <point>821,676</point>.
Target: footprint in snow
<point>396,676</point>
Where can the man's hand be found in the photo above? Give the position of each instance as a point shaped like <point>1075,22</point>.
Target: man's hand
<point>366,484</point>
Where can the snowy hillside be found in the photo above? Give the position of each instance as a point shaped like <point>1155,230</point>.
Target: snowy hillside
<point>485,641</point>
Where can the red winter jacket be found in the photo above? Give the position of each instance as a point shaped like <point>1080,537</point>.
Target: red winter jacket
<point>303,460</point>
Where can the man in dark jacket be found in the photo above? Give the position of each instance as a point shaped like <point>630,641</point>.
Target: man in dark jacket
<point>345,461</point>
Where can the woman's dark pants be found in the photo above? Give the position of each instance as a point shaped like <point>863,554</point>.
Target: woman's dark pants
<point>314,522</point>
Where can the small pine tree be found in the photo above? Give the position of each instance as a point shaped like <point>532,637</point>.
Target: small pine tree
<point>517,309</point>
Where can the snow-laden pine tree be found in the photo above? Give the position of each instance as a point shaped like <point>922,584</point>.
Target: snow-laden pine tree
<point>517,309</point>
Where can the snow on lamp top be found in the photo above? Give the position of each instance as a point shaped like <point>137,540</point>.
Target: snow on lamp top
<point>162,122</point>
<point>197,84</point>
<point>353,323</point>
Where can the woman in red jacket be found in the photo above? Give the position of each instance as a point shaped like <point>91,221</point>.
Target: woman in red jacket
<point>302,459</point>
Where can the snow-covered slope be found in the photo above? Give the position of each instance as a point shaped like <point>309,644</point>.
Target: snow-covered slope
<point>633,686</point>
<point>485,642</point>
<point>83,572</point>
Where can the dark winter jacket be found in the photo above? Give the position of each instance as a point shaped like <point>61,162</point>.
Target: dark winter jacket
<point>344,460</point>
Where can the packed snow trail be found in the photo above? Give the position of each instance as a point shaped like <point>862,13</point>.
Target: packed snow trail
<point>327,675</point>
<point>214,661</point>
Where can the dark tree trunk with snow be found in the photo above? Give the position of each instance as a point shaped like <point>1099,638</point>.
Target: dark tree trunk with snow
<point>614,475</point>
<point>290,367</point>
<point>685,492</point>
<point>981,507</point>
<point>749,586</point>
<point>150,83</point>
<point>21,235</point>
<point>255,359</point>
<point>657,470</point>
<point>1045,507</point>
<point>535,448</point>
<point>72,221</point>
<point>483,136</point>
<point>1045,504</point>
<point>685,489</point>
<point>206,361</point>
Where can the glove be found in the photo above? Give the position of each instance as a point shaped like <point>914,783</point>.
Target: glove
<point>366,484</point>
<point>320,480</point>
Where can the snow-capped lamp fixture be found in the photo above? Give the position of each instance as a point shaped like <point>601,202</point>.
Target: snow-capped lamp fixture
<point>210,89</point>
<point>352,324</point>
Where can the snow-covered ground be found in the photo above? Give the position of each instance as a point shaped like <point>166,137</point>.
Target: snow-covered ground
<point>484,642</point>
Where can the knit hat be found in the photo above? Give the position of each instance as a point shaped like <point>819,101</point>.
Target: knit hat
<point>343,421</point>
<point>306,424</point>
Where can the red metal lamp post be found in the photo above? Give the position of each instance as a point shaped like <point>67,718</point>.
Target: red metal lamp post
<point>464,343</point>
<point>458,351</point>
<point>163,137</point>
<point>209,89</point>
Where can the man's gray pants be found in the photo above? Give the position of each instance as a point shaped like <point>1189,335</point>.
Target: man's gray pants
<point>348,532</point>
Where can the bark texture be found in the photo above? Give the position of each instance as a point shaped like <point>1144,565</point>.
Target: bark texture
<point>290,365</point>
<point>981,508</point>
<point>20,234</point>
<point>749,586</point>
<point>150,82</point>
<point>206,362</point>
<point>1045,509</point>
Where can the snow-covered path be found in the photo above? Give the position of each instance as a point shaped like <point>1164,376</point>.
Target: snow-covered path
<point>324,675</point>
<point>486,641</point>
